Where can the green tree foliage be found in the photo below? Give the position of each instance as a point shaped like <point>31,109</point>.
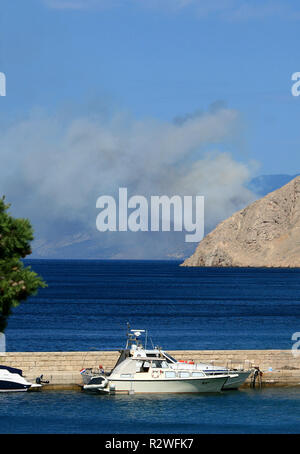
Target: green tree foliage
<point>17,282</point>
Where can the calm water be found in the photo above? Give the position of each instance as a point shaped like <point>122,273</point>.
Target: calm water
<point>87,305</point>
<point>251,411</point>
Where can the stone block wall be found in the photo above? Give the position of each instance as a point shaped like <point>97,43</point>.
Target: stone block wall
<point>62,369</point>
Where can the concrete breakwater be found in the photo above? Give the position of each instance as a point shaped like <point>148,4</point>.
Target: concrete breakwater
<point>62,369</point>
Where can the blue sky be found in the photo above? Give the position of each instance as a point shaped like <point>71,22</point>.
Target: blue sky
<point>151,62</point>
<point>159,62</point>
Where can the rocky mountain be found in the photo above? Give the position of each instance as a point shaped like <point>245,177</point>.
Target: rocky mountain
<point>75,240</point>
<point>264,234</point>
<point>264,184</point>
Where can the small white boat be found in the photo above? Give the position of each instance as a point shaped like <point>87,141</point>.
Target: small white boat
<point>139,370</point>
<point>12,380</point>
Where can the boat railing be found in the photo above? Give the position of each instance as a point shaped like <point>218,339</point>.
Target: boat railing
<point>233,364</point>
<point>239,364</point>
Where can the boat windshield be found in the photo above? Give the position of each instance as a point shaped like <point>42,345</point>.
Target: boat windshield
<point>170,358</point>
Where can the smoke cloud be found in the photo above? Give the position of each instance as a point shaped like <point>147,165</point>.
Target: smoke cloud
<point>54,169</point>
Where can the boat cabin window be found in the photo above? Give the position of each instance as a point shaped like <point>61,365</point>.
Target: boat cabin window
<point>197,374</point>
<point>170,374</point>
<point>184,374</point>
<point>138,366</point>
<point>145,366</point>
<point>142,366</point>
<point>156,364</point>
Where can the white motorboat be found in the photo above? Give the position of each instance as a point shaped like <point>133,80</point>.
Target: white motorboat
<point>237,377</point>
<point>139,370</point>
<point>11,379</point>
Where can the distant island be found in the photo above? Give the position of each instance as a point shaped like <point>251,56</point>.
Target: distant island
<point>264,234</point>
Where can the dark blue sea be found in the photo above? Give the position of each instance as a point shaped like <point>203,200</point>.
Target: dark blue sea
<point>271,410</point>
<point>86,306</point>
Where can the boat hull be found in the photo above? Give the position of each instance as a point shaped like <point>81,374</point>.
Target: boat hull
<point>236,382</point>
<point>9,386</point>
<point>206,385</point>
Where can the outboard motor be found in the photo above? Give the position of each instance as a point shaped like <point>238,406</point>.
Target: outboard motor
<point>257,377</point>
<point>39,380</point>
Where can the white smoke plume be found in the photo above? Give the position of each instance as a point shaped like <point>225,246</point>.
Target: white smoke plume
<point>54,168</point>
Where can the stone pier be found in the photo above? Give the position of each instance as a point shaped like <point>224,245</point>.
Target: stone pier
<point>62,369</point>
